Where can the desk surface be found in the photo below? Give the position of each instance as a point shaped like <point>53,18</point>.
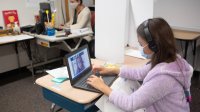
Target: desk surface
<point>185,35</point>
<point>10,39</point>
<point>58,39</point>
<point>83,96</point>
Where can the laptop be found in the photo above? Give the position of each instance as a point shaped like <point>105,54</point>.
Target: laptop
<point>80,68</point>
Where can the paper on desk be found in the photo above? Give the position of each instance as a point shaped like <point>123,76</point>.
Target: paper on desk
<point>59,72</point>
<point>134,53</point>
<point>80,31</point>
<point>123,85</point>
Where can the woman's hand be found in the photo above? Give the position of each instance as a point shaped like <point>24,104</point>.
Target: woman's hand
<point>103,70</point>
<point>98,83</point>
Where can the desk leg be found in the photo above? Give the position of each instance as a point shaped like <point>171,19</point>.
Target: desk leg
<point>181,44</point>
<point>72,49</point>
<point>186,48</point>
<point>78,44</point>
<point>67,46</point>
<point>194,50</point>
<point>30,55</point>
<point>194,53</point>
<point>17,53</point>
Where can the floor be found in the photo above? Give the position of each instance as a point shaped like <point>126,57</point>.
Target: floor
<point>18,93</point>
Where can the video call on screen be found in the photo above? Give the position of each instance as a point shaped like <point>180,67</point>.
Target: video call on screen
<point>78,63</point>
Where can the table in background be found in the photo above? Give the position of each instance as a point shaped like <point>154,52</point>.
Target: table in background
<point>187,37</point>
<point>56,41</point>
<point>5,40</point>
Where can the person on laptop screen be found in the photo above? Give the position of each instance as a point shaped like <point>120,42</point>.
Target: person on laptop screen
<point>80,64</point>
<point>166,78</point>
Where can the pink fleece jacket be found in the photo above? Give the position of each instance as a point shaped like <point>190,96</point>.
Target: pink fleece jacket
<point>162,88</point>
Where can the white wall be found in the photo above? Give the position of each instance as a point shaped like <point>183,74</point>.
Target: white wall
<point>88,2</point>
<point>116,25</point>
<point>25,14</point>
<point>26,11</point>
<point>139,11</point>
<point>179,13</point>
<point>110,30</point>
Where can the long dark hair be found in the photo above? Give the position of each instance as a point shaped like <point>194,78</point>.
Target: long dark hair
<point>163,38</point>
<point>80,1</point>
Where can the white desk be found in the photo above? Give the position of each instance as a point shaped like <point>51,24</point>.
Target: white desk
<point>16,38</point>
<point>5,40</point>
<point>60,39</point>
<point>47,41</point>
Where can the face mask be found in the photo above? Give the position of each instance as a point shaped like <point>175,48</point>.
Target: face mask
<point>147,56</point>
<point>74,5</point>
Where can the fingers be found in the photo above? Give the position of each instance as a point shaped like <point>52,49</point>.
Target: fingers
<point>91,78</point>
<point>101,78</point>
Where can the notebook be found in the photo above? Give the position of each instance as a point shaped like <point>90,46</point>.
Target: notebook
<point>80,68</point>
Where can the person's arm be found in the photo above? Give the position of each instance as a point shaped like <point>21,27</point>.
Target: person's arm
<point>145,96</point>
<point>134,73</point>
<point>105,70</point>
<point>69,22</point>
<point>82,23</point>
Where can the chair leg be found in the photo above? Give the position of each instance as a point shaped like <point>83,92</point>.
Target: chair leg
<point>53,105</point>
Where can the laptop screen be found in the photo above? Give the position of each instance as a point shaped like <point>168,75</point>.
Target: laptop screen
<point>78,63</point>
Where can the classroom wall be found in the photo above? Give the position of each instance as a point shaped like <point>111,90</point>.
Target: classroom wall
<point>110,18</point>
<point>138,11</point>
<point>25,14</point>
<point>88,2</point>
<point>26,10</point>
<point>179,13</point>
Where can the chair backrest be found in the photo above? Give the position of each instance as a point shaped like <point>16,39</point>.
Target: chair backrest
<point>92,9</point>
<point>93,20</point>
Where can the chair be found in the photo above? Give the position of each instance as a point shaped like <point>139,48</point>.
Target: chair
<point>92,42</point>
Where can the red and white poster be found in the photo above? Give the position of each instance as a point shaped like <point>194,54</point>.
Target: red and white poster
<point>10,17</point>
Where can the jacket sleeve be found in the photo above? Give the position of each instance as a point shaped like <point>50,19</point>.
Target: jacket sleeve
<point>145,96</point>
<point>82,23</point>
<point>134,73</point>
<point>70,20</point>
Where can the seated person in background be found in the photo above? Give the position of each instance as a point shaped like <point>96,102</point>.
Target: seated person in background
<point>80,18</point>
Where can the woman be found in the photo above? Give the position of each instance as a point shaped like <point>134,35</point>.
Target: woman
<point>80,18</point>
<point>165,78</point>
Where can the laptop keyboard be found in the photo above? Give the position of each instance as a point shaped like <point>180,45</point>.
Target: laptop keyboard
<point>84,84</point>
